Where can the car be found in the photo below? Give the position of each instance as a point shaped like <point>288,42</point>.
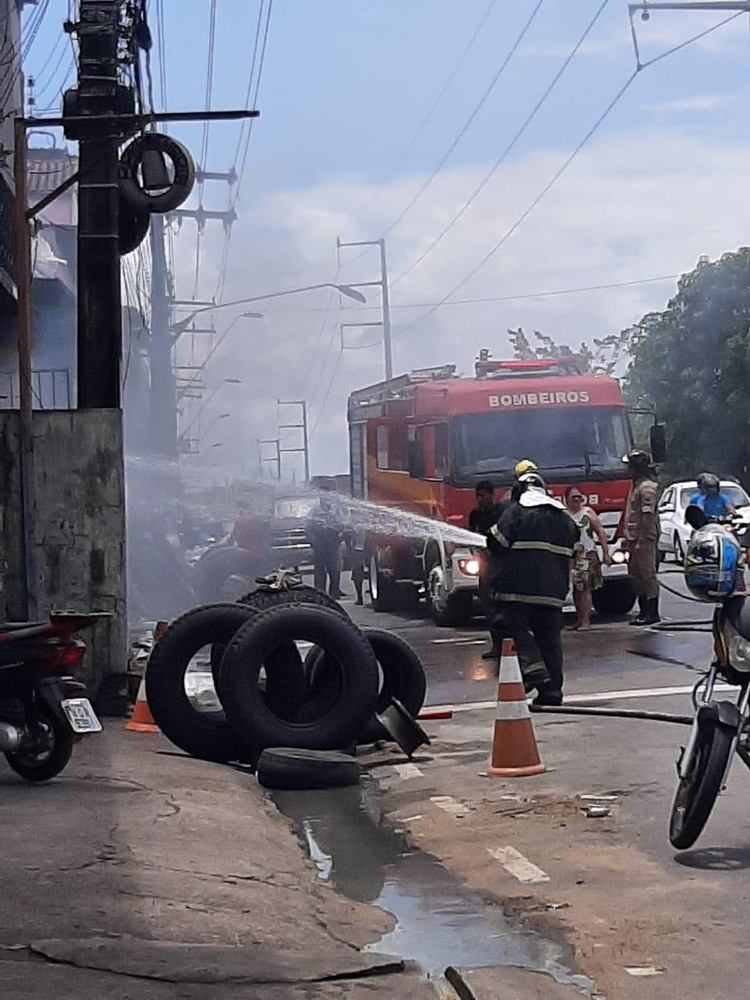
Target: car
<point>674,531</point>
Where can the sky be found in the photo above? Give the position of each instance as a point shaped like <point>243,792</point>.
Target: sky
<point>346,142</point>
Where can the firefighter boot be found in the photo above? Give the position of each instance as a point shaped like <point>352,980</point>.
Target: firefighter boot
<point>651,616</point>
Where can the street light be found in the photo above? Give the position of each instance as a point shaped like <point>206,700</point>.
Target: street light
<point>228,381</point>
<point>347,290</point>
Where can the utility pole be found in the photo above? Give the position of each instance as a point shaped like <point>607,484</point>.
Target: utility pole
<point>163,400</point>
<point>274,459</point>
<point>382,284</point>
<point>99,95</point>
<point>301,426</point>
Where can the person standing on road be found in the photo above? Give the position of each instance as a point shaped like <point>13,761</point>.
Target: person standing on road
<point>357,539</point>
<point>481,520</point>
<point>587,568</point>
<point>534,541</point>
<point>642,536</point>
<point>325,529</point>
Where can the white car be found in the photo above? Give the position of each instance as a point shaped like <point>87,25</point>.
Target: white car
<point>674,531</point>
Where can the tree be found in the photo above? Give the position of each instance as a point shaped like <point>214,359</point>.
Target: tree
<point>691,362</point>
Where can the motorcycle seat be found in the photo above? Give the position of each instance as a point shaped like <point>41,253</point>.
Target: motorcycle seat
<point>738,612</point>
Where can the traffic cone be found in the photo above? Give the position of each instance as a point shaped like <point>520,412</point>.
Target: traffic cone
<point>514,750</point>
<point>142,721</point>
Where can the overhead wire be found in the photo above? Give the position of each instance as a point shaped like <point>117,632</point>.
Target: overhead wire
<point>433,107</point>
<point>206,137</point>
<point>640,66</point>
<point>467,124</point>
<point>508,149</point>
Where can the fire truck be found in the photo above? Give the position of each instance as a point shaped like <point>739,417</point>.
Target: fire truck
<point>421,442</point>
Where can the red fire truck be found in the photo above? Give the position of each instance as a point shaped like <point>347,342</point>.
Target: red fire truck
<point>421,442</point>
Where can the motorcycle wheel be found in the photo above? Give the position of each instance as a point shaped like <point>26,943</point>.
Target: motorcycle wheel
<point>697,793</point>
<point>46,761</point>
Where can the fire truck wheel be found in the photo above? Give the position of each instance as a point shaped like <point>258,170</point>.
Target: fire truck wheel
<point>252,719</point>
<point>205,734</point>
<point>615,598</point>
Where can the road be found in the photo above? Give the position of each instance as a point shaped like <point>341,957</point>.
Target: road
<point>654,907</point>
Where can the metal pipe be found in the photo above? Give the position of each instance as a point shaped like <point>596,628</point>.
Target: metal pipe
<point>10,737</point>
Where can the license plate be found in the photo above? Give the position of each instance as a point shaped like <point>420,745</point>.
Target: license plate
<point>81,715</point>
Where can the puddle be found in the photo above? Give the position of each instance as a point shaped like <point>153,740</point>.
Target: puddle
<point>440,921</point>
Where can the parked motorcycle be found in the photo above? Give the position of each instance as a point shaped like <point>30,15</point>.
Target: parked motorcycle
<point>714,568</point>
<point>43,709</point>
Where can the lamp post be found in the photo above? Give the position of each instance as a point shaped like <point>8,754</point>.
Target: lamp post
<point>204,404</point>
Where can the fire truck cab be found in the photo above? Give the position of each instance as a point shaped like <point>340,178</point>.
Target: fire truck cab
<point>421,442</point>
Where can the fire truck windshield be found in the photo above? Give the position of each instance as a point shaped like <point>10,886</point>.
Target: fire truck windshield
<point>582,441</point>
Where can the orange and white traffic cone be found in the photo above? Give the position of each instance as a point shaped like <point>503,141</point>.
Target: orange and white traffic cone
<point>514,750</point>
<point>142,721</point>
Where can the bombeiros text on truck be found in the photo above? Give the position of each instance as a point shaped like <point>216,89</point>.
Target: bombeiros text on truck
<point>421,442</point>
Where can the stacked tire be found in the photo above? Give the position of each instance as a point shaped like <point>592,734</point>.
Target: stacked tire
<point>267,695</point>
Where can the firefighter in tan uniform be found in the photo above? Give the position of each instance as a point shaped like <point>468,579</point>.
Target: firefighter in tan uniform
<point>641,537</point>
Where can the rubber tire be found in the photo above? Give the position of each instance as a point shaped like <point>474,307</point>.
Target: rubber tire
<point>207,734</point>
<point>402,676</point>
<point>62,749</point>
<point>217,564</point>
<point>254,723</point>
<point>457,612</point>
<point>710,769</point>
<point>263,600</point>
<point>297,769</point>
<point>615,598</point>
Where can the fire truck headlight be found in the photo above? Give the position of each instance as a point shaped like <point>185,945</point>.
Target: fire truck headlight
<point>470,567</point>
<point>619,557</point>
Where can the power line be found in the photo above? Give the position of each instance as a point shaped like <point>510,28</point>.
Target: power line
<point>508,149</point>
<point>433,107</point>
<point>527,211</point>
<point>206,136</point>
<point>469,120</point>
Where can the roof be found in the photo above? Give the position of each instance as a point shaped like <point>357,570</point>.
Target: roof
<point>46,169</point>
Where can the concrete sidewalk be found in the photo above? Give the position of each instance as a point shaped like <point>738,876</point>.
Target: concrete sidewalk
<point>144,874</point>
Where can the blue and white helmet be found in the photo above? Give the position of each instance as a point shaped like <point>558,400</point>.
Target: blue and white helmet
<point>713,564</point>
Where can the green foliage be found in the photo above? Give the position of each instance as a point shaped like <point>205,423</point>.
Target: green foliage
<point>692,363</point>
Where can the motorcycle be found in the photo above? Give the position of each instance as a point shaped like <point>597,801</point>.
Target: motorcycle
<point>720,727</point>
<point>43,709</point>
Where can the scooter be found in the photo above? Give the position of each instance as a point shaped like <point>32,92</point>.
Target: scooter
<point>43,709</point>
<point>720,728</point>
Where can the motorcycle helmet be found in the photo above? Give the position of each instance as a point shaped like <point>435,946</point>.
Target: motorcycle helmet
<point>708,482</point>
<point>713,564</point>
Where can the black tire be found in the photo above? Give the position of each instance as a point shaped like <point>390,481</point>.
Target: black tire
<point>297,769</point>
<point>383,591</point>
<point>263,600</point>
<point>401,676</point>
<point>54,758</point>
<point>458,610</point>
<point>219,565</point>
<point>207,734</point>
<point>254,723</point>
<point>614,598</point>
<point>696,794</point>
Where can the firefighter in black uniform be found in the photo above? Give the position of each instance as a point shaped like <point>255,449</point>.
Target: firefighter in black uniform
<point>532,546</point>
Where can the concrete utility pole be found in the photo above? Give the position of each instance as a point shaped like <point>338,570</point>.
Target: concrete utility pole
<point>163,408</point>
<point>274,459</point>
<point>99,310</point>
<point>382,284</point>
<point>302,426</point>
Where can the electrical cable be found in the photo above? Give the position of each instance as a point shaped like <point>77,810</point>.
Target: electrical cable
<point>467,124</point>
<point>508,149</point>
<point>206,137</point>
<point>433,108</point>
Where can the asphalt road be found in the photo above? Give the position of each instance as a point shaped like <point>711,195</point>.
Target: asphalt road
<point>612,656</point>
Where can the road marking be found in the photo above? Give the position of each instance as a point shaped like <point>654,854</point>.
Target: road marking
<point>450,805</point>
<point>517,865</point>
<point>407,771</point>
<point>583,699</point>
<point>460,642</point>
